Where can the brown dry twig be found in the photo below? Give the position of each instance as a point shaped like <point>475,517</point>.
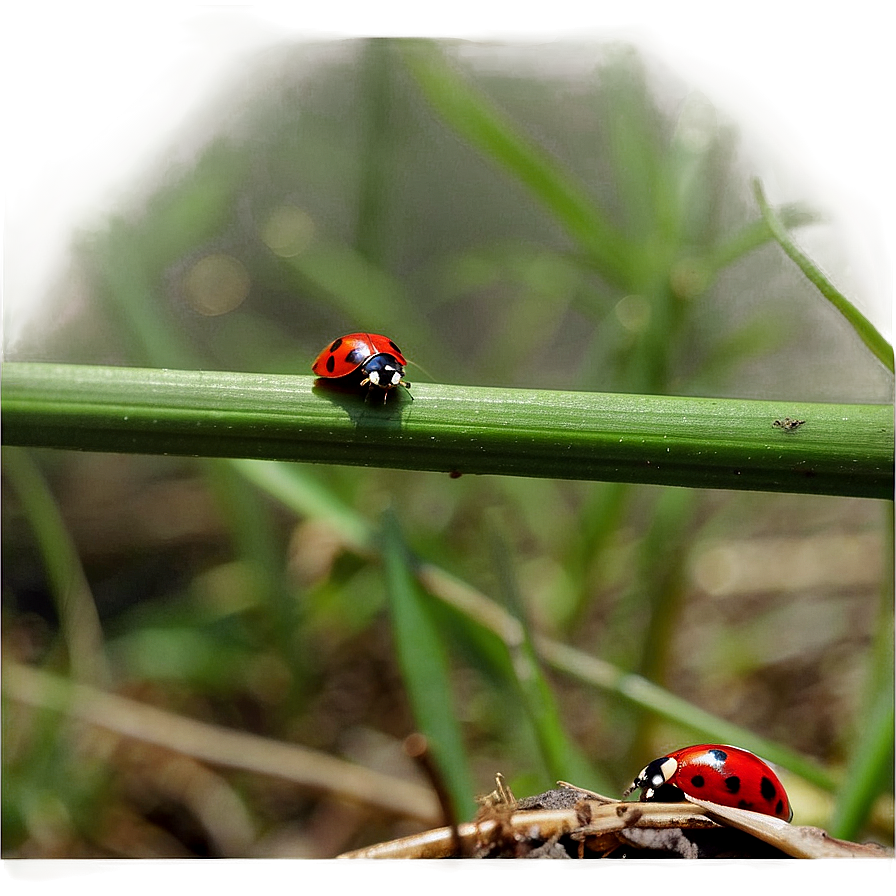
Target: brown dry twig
<point>568,822</point>
<point>219,746</point>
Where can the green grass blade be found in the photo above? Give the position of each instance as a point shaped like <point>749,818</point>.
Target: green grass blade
<point>186,209</point>
<point>632,123</point>
<point>425,670</point>
<point>656,601</point>
<point>350,283</point>
<point>380,139</point>
<point>485,127</point>
<point>645,695</point>
<point>302,491</point>
<point>634,689</point>
<point>756,234</point>
<point>695,159</point>
<point>868,333</point>
<point>592,671</point>
<point>562,758</point>
<point>870,768</point>
<point>255,539</point>
<point>694,442</point>
<point>130,297</point>
<point>73,599</point>
<point>870,771</point>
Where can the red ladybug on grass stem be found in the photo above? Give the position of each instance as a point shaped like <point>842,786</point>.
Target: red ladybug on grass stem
<point>363,359</point>
<point>729,776</point>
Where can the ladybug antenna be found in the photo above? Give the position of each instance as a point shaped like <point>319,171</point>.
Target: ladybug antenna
<point>422,370</point>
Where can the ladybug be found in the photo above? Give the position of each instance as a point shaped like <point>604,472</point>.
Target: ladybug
<point>363,359</point>
<point>720,774</point>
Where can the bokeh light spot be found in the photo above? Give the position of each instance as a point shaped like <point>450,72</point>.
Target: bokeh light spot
<point>216,284</point>
<point>633,312</point>
<point>688,278</point>
<point>288,231</point>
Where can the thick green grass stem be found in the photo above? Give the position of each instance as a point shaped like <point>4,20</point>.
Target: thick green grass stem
<point>836,449</point>
<point>867,332</point>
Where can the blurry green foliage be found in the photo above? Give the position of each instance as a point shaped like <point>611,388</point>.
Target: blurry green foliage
<point>586,224</point>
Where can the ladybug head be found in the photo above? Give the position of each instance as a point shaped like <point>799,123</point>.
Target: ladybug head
<point>383,371</point>
<point>653,777</point>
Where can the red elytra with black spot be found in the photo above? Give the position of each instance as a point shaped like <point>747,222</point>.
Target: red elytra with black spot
<point>721,774</point>
<point>375,361</point>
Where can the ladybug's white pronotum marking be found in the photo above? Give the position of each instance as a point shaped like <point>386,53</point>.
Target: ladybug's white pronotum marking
<point>653,776</point>
<point>374,378</point>
<point>666,770</point>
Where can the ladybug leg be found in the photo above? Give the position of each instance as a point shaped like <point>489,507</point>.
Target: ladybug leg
<point>366,382</point>
<point>371,388</point>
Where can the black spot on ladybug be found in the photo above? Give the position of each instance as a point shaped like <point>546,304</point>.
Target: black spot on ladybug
<point>732,784</point>
<point>744,804</point>
<point>698,781</point>
<point>336,344</point>
<point>720,756</point>
<point>331,364</point>
<point>397,349</point>
<point>779,807</point>
<point>355,356</point>
<point>767,789</point>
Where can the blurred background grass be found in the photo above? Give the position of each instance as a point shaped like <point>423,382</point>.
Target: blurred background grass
<point>568,218</point>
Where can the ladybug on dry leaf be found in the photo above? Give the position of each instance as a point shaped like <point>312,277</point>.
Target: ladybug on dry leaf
<point>721,774</point>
